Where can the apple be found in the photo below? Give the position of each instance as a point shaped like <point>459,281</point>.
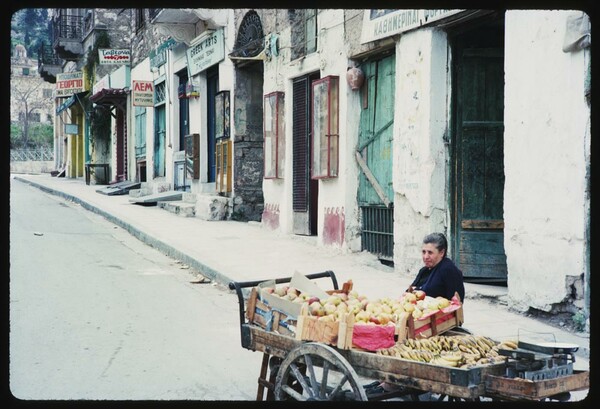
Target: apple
<point>316,309</point>
<point>329,308</point>
<point>443,302</point>
<point>313,300</point>
<point>409,307</point>
<point>374,319</point>
<point>420,294</point>
<point>410,297</point>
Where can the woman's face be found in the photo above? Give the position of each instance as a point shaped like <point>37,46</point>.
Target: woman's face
<point>431,255</point>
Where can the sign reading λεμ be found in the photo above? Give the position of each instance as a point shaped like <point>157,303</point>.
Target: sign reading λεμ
<point>142,93</point>
<point>206,52</point>
<point>111,56</point>
<point>69,83</point>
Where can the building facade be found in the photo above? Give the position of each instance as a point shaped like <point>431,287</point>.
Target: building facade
<point>368,129</point>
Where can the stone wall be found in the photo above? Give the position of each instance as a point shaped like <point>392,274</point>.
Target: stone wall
<point>31,167</point>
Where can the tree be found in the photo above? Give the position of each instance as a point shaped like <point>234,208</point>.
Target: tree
<point>25,94</point>
<point>30,28</point>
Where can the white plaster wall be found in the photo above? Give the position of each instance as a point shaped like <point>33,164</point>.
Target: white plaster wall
<point>420,155</point>
<point>545,121</point>
<point>330,59</point>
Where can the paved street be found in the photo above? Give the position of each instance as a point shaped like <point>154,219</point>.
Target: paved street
<point>97,314</point>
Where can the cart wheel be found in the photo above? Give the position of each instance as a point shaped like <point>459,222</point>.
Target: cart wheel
<point>315,371</point>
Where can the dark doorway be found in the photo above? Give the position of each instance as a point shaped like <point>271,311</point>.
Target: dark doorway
<point>478,156</point>
<point>212,85</point>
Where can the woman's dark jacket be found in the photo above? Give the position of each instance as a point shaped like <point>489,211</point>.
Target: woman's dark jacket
<point>443,280</point>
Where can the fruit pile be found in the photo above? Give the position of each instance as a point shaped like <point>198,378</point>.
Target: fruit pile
<point>456,351</point>
<point>371,312</point>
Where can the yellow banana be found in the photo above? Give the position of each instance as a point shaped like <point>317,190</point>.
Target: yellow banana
<point>452,357</point>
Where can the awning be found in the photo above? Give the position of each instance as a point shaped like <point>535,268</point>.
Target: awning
<point>111,97</point>
<point>70,101</point>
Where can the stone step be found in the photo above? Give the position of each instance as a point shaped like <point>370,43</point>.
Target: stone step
<point>189,197</point>
<point>211,207</point>
<point>179,208</point>
<point>143,191</point>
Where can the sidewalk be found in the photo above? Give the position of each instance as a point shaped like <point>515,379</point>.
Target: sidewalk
<point>228,251</point>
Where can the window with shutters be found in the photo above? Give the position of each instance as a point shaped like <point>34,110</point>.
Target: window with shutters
<point>325,123</point>
<point>300,145</point>
<point>140,132</point>
<point>274,135</point>
<point>303,23</point>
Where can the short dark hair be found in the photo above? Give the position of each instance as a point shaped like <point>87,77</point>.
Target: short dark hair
<point>438,240</point>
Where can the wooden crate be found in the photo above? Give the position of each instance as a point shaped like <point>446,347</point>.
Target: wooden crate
<point>335,333</point>
<point>518,388</point>
<point>264,316</point>
<point>271,319</point>
<point>435,324</point>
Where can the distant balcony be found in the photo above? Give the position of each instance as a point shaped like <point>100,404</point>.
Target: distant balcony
<point>173,16</point>
<point>68,37</point>
<point>48,64</point>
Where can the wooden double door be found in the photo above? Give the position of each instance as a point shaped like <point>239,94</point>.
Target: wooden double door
<point>478,153</point>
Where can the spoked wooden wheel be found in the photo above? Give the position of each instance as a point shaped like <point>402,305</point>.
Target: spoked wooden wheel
<point>315,371</point>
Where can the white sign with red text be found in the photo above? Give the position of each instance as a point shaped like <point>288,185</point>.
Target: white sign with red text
<point>111,56</point>
<point>142,93</point>
<point>69,83</point>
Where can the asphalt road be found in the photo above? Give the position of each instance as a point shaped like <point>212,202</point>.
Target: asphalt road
<point>95,314</point>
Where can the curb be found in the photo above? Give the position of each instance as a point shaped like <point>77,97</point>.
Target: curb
<point>140,235</point>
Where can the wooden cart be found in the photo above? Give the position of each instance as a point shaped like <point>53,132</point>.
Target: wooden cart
<point>301,370</point>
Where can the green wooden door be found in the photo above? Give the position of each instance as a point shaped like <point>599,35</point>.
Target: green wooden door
<point>375,135</point>
<point>374,157</point>
<point>479,159</point>
<point>160,131</point>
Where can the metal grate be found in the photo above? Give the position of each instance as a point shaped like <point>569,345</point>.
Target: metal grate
<point>378,231</point>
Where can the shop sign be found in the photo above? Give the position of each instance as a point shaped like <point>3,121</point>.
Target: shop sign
<point>206,52</point>
<point>69,83</point>
<point>142,93</point>
<point>111,56</point>
<point>71,129</point>
<point>380,23</point>
<point>158,56</point>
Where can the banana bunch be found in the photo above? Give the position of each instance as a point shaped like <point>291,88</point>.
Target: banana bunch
<point>454,351</point>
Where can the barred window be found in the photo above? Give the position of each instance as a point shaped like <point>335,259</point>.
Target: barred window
<point>160,91</point>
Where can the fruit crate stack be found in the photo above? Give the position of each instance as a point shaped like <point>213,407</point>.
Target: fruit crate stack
<point>345,319</point>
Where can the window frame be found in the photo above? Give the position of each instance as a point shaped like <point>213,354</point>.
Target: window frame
<point>274,135</point>
<point>324,111</point>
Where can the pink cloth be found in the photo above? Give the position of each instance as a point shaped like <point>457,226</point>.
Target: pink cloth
<point>373,337</point>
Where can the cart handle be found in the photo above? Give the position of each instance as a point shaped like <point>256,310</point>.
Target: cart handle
<point>238,286</point>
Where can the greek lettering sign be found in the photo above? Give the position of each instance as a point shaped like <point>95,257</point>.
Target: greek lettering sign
<point>142,93</point>
<point>208,51</point>
<point>69,83</point>
<point>111,56</point>
<point>378,24</point>
<point>158,56</point>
